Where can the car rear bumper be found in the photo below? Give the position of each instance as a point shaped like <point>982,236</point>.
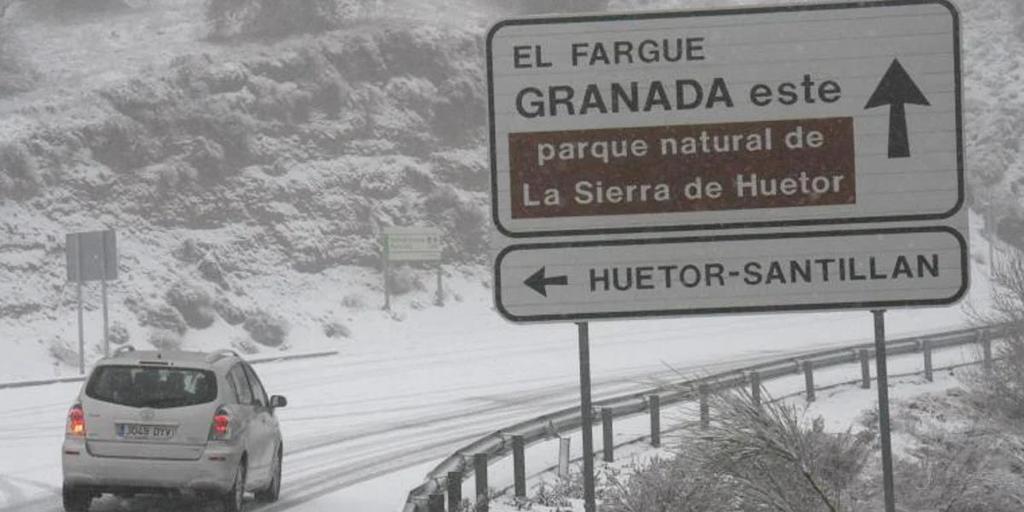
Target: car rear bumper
<point>214,471</point>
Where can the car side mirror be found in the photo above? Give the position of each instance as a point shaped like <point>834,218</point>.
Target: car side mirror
<point>278,401</point>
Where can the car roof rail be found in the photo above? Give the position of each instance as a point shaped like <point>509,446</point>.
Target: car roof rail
<point>123,350</point>
<point>217,355</point>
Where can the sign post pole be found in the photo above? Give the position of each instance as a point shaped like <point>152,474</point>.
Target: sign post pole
<point>387,275</point>
<point>103,285</point>
<point>990,230</point>
<point>440,286</point>
<point>586,413</point>
<point>883,409</point>
<point>81,322</point>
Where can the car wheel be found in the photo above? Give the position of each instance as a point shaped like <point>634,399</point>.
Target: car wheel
<point>232,499</point>
<point>273,490</point>
<point>76,500</point>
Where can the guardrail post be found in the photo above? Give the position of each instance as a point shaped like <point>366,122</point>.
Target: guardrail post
<point>454,491</point>
<point>755,388</point>
<point>654,404</point>
<point>865,368</point>
<point>480,469</point>
<point>563,457</point>
<point>519,465</point>
<point>435,503</point>
<point>808,367</point>
<point>606,429</point>
<point>705,409</point>
<point>926,347</point>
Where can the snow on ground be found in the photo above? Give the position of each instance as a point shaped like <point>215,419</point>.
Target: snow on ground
<point>413,385</point>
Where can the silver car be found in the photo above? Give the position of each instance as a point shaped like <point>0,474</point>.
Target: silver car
<point>171,422</point>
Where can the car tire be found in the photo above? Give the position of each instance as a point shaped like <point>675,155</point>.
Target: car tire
<point>76,500</point>
<point>273,490</point>
<point>232,500</point>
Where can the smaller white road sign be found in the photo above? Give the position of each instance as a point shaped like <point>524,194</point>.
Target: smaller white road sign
<point>731,274</point>
<point>793,115</point>
<point>412,244</point>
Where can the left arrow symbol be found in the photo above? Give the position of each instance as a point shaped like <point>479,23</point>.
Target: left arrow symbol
<point>539,282</point>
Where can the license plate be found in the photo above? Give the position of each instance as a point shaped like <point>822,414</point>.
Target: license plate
<point>142,431</point>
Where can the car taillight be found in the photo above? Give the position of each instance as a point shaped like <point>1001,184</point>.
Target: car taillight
<point>221,427</point>
<point>76,421</point>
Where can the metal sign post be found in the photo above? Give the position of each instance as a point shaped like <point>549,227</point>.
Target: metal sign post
<point>439,300</point>
<point>81,322</point>
<point>387,274</point>
<point>586,415</point>
<point>103,285</point>
<point>883,410</point>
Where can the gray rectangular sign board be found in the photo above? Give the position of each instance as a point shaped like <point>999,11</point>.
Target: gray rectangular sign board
<point>800,115</point>
<point>731,274</point>
<point>91,256</point>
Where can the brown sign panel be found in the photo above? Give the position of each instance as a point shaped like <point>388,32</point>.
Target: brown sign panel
<point>682,168</point>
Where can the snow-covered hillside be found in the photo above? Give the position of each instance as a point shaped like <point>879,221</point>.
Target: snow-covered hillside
<point>248,180</point>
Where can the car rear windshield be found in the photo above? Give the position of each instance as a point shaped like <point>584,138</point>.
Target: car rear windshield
<point>156,388</point>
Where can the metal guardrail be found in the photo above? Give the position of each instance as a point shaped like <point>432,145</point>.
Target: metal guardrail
<point>498,444</point>
<point>253,360</point>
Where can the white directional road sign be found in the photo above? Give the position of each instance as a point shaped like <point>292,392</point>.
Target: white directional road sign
<point>776,116</point>
<point>806,157</point>
<point>731,274</point>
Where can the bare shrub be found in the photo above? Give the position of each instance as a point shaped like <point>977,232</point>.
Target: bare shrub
<point>118,334</point>
<point>17,74</point>
<point>164,317</point>
<point>231,313</point>
<point>61,352</point>
<point>337,329</point>
<point>551,495</point>
<point>194,304</point>
<point>1002,387</point>
<point>965,472</point>
<point>558,6</point>
<point>266,328</point>
<point>19,173</point>
<point>463,216</point>
<point>752,457</point>
<point>664,484</point>
<point>71,10</point>
<point>404,280</point>
<point>775,459</point>
<point>278,18</point>
<point>354,301</point>
<point>163,339</point>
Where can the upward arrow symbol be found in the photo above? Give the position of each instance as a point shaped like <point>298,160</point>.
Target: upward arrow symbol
<point>896,90</point>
